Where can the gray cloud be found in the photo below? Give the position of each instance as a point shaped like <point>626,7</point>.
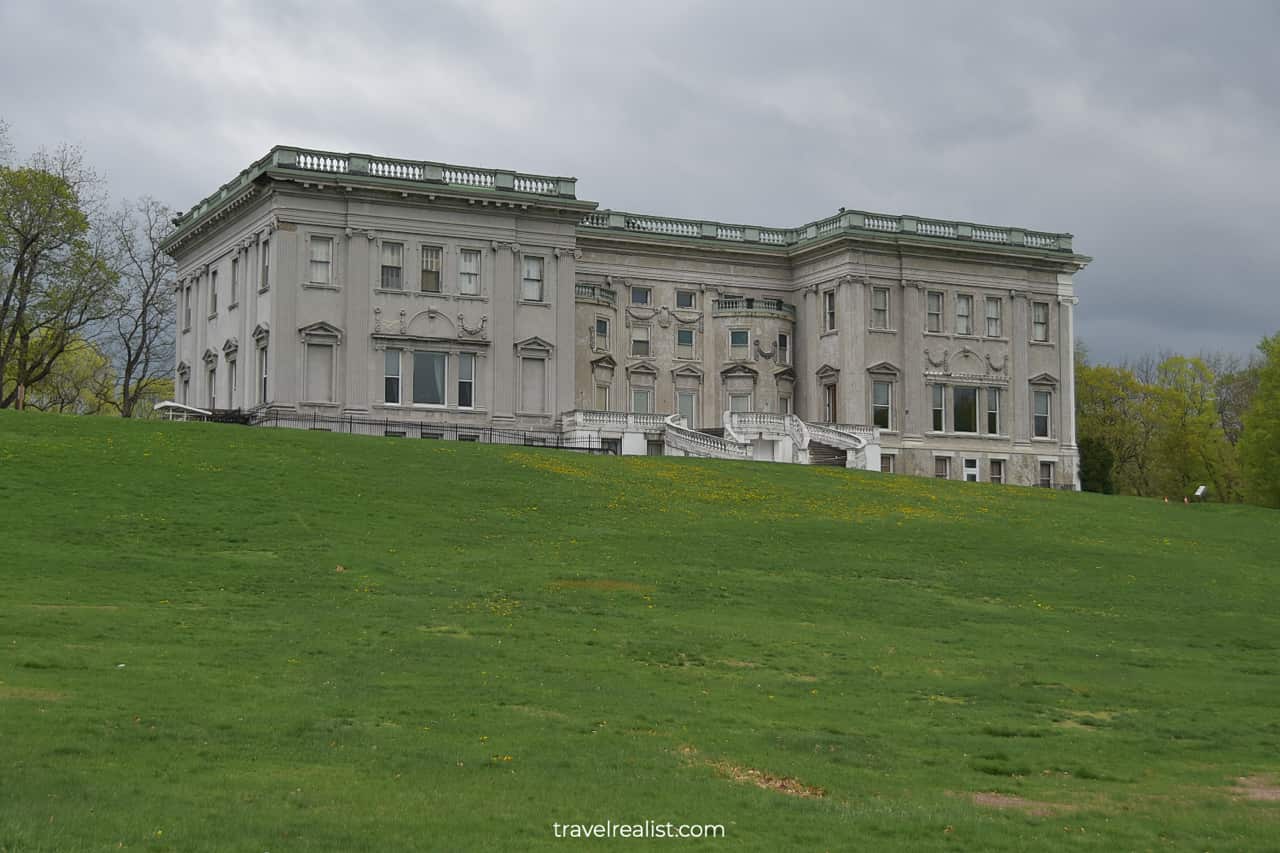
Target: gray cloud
<point>1144,128</point>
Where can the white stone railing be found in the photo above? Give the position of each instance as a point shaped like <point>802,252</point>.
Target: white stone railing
<point>774,237</point>
<point>530,184</point>
<point>656,225</point>
<point>728,232</point>
<point>467,177</point>
<point>679,437</point>
<point>596,220</point>
<point>626,421</point>
<point>883,223</point>
<point>1036,240</point>
<point>396,169</point>
<point>990,235</point>
<point>853,439</point>
<point>930,228</point>
<point>322,162</point>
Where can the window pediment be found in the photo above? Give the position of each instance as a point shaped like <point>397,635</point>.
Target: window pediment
<point>739,370</point>
<point>604,361</point>
<point>1043,379</point>
<point>210,357</point>
<point>184,369</point>
<point>534,347</point>
<point>884,368</point>
<point>230,346</point>
<point>321,333</point>
<point>687,371</point>
<point>827,372</point>
<point>261,332</point>
<point>643,367</point>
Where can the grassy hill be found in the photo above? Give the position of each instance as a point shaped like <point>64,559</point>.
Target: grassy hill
<point>222,638</point>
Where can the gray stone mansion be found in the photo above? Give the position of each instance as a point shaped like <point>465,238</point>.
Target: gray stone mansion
<point>434,298</point>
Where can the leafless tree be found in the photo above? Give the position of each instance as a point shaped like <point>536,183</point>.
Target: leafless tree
<point>141,336</point>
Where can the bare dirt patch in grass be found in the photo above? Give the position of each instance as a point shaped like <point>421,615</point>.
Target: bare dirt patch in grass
<point>739,664</point>
<point>540,713</point>
<point>1262,788</point>
<point>1035,808</point>
<point>761,779</point>
<point>34,694</point>
<point>602,585</point>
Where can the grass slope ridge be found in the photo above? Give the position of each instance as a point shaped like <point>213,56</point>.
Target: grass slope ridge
<point>221,638</point>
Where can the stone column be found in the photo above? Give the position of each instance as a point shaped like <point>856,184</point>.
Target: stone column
<point>565,278</point>
<point>913,392</point>
<point>1019,390</point>
<point>503,289</point>
<point>851,302</point>
<point>286,291</point>
<point>357,346</point>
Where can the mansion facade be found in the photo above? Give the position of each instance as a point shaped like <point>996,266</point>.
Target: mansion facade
<point>429,295</point>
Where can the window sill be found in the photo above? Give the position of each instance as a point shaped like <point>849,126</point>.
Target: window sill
<point>324,404</point>
<point>1041,439</point>
<point>1041,343</point>
<point>882,331</point>
<point>233,306</point>
<point>929,334</point>
<point>532,303</point>
<point>213,316</point>
<point>185,329</point>
<point>311,285</point>
<point>969,337</point>
<point>262,290</point>
<point>829,333</point>
<point>476,297</point>
<point>982,435</point>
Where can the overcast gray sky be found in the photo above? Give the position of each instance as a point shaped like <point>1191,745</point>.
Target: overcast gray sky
<point>1147,129</point>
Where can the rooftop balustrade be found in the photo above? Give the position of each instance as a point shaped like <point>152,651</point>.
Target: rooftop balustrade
<point>750,304</point>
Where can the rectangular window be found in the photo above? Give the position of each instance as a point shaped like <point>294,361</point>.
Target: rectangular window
<point>531,281</point>
<point>213,292</point>
<point>640,340</point>
<point>738,342</point>
<point>235,282</point>
<point>186,392</point>
<point>965,409</point>
<point>429,369</point>
<point>231,383</point>
<point>970,470</point>
<point>430,280</point>
<point>829,404</point>
<point>602,398</point>
<point>654,447</point>
<point>321,271</point>
<point>879,307</point>
<point>784,348</point>
<point>262,373</point>
<point>213,388</point>
<point>993,411</point>
<point>466,380</point>
<point>784,405</point>
<point>995,317</point>
<point>942,467</point>
<point>265,283</point>
<point>533,385</point>
<point>881,403</point>
<point>964,314</point>
<point>829,311</point>
<point>739,402</point>
<point>886,463</point>
<point>391,377</point>
<point>1040,321</point>
<point>641,295</point>
<point>687,406</point>
<point>939,393</point>
<point>997,471</point>
<point>393,266</point>
<point>686,299</point>
<point>602,333</point>
<point>319,373</point>
<point>933,316</point>
<point>1040,427</point>
<point>469,272</point>
<point>1046,475</point>
<point>641,400</point>
<point>186,309</point>
<point>684,343</point>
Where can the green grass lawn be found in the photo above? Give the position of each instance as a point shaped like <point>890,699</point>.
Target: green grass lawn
<point>223,638</point>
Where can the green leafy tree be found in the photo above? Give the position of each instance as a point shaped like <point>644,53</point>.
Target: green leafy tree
<point>1260,443</point>
<point>1096,465</point>
<point>82,381</point>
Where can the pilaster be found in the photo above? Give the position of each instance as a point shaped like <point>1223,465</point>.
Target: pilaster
<point>1019,390</point>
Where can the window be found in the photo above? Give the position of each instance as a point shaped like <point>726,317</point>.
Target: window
<point>942,467</point>
<point>429,369</point>
<point>738,342</point>
<point>533,385</point>
<point>602,398</point>
<point>939,393</point>
<point>213,387</point>
<point>684,343</point>
<point>997,471</point>
<point>186,391</point>
<point>531,283</point>
<point>640,340</point>
<point>319,387</point>
<point>965,409</point>
<point>993,411</point>
<point>829,404</point>
<point>186,310</point>
<point>393,266</point>
<point>262,374</point>
<point>784,348</point>
<point>1040,321</point>
<point>213,292</point>
<point>964,314</point>
<point>602,333</point>
<point>879,307</point>
<point>881,400</point>
<point>430,280</point>
<point>784,405</point>
<point>739,402</point>
<point>321,260</point>
<point>266,265</point>
<point>641,400</point>
<point>686,299</point>
<point>466,380</point>
<point>655,447</point>
<point>995,318</point>
<point>1046,475</point>
<point>970,470</point>
<point>1041,414</point>
<point>886,462</point>
<point>235,282</point>
<point>829,311</point>
<point>933,311</point>
<point>231,383</point>
<point>469,272</point>
<point>641,295</point>
<point>687,406</point>
<point>391,377</point>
